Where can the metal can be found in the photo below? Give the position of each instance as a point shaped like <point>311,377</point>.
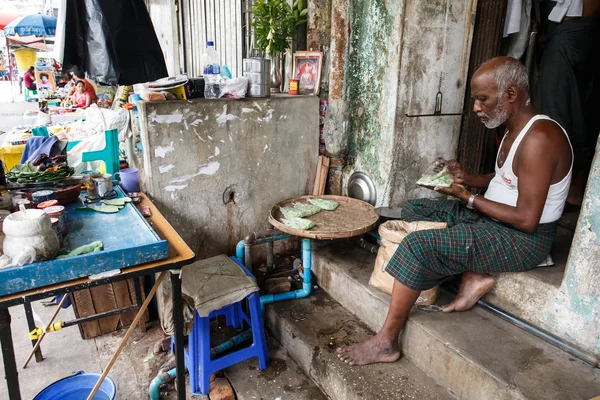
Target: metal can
<point>293,86</point>
<point>60,213</point>
<point>56,228</point>
<point>102,184</point>
<point>41,196</point>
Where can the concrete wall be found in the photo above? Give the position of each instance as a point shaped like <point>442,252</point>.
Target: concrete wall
<point>386,61</point>
<point>215,168</point>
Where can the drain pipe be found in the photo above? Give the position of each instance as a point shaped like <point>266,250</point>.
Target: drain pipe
<point>158,381</point>
<point>306,279</point>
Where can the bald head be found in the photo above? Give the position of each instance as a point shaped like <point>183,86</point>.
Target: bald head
<point>506,72</point>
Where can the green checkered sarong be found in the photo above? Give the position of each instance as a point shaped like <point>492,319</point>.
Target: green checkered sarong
<point>472,242</point>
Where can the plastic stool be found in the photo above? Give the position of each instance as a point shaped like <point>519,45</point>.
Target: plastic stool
<point>28,95</point>
<point>109,154</point>
<point>198,359</point>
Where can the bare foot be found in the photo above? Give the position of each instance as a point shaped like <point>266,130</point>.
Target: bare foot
<point>373,350</point>
<point>472,287</point>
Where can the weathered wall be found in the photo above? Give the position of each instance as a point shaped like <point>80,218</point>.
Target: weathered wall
<point>215,168</point>
<point>386,60</point>
<point>570,311</point>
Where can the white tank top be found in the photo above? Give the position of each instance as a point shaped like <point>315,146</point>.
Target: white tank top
<point>504,187</point>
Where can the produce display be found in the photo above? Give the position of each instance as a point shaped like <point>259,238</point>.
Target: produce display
<point>441,179</point>
<point>42,169</point>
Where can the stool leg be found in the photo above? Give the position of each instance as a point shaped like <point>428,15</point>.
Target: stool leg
<point>258,330</point>
<point>205,366</point>
<point>193,355</point>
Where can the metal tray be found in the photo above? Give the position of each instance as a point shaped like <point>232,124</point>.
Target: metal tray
<point>128,240</point>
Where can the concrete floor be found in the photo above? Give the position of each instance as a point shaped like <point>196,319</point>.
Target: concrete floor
<point>11,112</point>
<point>66,352</point>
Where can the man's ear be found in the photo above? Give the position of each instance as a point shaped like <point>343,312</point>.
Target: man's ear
<point>512,93</point>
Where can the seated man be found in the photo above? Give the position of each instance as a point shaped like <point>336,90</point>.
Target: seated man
<point>510,229</point>
<point>29,79</point>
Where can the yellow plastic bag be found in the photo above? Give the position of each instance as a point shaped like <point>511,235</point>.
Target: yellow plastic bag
<point>392,233</point>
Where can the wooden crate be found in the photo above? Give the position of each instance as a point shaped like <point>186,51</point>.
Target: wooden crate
<point>104,298</point>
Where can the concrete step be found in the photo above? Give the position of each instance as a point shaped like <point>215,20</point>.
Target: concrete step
<point>474,354</point>
<point>312,328</point>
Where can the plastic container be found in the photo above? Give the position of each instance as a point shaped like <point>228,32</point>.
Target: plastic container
<point>60,213</point>
<point>77,387</point>
<point>41,196</point>
<point>211,70</point>
<point>130,179</point>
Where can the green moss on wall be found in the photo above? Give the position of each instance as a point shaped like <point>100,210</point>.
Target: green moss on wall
<point>368,58</point>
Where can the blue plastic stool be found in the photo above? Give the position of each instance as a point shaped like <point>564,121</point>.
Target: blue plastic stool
<point>198,358</point>
<point>109,154</point>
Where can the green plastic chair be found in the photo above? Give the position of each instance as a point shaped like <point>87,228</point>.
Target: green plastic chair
<point>27,93</point>
<point>110,153</point>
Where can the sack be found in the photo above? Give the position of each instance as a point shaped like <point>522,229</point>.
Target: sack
<point>392,233</point>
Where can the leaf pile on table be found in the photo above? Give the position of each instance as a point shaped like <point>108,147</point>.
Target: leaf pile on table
<point>294,216</point>
<point>42,169</point>
<point>110,206</point>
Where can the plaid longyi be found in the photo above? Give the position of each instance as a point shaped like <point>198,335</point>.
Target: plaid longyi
<point>472,242</point>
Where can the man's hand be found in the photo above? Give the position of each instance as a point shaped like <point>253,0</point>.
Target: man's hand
<point>455,170</point>
<point>456,190</point>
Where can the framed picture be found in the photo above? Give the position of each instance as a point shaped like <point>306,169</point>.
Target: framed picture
<point>307,70</point>
<point>45,80</point>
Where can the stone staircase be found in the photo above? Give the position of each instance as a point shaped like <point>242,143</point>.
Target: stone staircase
<point>471,355</point>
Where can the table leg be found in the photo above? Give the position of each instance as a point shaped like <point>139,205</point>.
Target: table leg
<point>8,354</point>
<point>178,319</point>
<point>31,326</point>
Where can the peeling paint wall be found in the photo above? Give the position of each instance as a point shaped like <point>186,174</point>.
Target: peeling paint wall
<point>215,168</point>
<point>386,61</point>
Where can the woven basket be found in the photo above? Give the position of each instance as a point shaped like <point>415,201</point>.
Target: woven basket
<point>67,195</point>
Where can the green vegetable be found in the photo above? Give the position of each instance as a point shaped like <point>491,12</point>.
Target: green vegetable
<point>441,179</point>
<point>299,223</point>
<point>299,210</point>
<point>120,202</point>
<point>323,204</point>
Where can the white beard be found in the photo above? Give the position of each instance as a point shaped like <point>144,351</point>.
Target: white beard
<point>498,117</point>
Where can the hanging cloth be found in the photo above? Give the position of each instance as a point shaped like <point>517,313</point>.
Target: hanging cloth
<point>113,41</point>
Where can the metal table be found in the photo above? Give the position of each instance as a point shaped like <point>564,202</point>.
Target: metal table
<point>179,255</point>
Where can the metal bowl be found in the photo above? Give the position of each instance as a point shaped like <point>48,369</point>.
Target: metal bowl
<point>361,187</point>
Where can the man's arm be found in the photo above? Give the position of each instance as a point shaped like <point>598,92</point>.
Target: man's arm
<point>536,160</point>
<point>478,181</point>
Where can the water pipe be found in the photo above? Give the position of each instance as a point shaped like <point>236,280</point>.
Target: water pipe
<point>256,238</point>
<point>168,376</point>
<point>306,281</point>
<point>158,381</point>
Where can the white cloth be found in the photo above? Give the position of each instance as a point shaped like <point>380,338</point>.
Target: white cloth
<point>566,8</point>
<point>504,187</point>
<point>215,283</point>
<point>518,41</point>
<point>512,22</point>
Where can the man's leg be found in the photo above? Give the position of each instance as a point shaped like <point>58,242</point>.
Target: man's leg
<point>473,286</point>
<point>383,347</point>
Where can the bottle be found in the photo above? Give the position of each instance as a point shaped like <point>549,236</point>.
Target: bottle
<point>211,71</point>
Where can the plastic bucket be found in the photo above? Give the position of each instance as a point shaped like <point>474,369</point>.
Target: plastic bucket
<point>130,180</point>
<point>78,387</point>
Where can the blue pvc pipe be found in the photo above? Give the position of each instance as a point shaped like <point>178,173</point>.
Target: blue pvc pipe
<point>168,376</point>
<point>154,389</point>
<point>239,252</point>
<point>306,282</point>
